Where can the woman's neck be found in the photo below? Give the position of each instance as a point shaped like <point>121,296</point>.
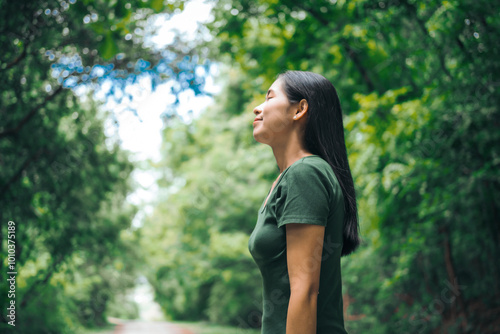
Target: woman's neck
<point>286,156</point>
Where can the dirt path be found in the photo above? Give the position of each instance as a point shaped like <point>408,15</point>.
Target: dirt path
<point>149,327</point>
<point>151,318</point>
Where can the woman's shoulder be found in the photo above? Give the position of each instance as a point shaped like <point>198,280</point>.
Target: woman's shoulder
<point>312,169</point>
<point>311,165</point>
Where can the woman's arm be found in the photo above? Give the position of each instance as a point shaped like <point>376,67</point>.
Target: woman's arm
<point>304,246</point>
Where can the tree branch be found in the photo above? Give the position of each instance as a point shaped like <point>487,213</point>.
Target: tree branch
<point>351,53</point>
<point>413,12</point>
<point>17,60</point>
<point>362,70</point>
<point>48,274</point>
<point>14,130</point>
<point>18,174</point>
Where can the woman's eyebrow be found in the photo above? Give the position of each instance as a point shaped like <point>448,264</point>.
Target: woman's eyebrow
<point>270,91</point>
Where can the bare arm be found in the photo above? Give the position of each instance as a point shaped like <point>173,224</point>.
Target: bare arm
<point>304,243</point>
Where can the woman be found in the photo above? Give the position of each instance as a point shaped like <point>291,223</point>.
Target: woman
<point>309,218</point>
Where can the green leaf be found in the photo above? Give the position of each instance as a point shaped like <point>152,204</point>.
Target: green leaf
<point>108,48</point>
<point>157,5</point>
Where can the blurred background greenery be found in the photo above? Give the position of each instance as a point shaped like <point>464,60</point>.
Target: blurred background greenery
<point>419,85</point>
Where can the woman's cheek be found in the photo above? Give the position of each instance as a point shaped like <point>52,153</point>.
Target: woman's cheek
<point>279,125</point>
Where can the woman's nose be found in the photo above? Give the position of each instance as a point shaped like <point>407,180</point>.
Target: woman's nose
<point>257,110</point>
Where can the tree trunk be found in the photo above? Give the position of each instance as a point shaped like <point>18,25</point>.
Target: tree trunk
<point>453,279</point>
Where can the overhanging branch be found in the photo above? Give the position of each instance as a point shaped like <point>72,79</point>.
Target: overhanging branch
<point>350,52</point>
<point>17,60</point>
<point>14,130</point>
<point>19,172</point>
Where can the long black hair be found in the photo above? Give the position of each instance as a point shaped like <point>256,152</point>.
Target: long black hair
<point>324,136</point>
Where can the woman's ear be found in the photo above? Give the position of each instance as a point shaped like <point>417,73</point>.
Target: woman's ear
<point>301,110</point>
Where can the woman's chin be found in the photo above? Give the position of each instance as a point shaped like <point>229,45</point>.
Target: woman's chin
<point>263,138</point>
<point>256,137</point>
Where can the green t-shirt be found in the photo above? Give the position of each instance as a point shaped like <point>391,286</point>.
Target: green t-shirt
<point>307,193</point>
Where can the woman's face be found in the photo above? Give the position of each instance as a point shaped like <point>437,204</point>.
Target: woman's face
<point>274,117</point>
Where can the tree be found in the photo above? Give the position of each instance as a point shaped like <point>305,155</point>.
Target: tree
<point>62,181</point>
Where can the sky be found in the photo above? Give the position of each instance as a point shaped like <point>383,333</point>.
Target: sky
<point>141,134</point>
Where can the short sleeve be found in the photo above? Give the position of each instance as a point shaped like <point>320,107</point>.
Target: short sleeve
<point>305,196</point>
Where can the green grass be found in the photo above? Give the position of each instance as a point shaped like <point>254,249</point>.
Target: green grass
<point>207,328</point>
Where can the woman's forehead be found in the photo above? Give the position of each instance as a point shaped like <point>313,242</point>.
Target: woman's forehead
<point>275,87</point>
